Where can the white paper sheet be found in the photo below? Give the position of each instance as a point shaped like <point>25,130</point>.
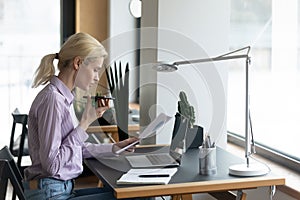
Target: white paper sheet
<point>155,125</point>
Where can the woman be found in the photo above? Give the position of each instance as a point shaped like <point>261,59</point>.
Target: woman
<point>56,146</point>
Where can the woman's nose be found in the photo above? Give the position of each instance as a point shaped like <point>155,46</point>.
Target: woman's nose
<point>96,77</point>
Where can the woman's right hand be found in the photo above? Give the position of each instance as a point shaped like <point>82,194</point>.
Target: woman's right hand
<point>90,113</point>
<point>119,145</point>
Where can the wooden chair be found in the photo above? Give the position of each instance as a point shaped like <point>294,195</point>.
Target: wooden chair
<point>10,171</point>
<point>19,146</point>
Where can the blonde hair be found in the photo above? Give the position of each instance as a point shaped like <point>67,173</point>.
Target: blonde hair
<point>79,44</point>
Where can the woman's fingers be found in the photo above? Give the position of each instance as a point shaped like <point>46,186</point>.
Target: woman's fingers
<point>103,102</point>
<point>101,110</point>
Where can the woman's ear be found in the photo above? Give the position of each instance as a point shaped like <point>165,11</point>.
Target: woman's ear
<point>77,62</point>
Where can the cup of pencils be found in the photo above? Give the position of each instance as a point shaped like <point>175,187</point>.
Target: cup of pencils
<point>207,157</point>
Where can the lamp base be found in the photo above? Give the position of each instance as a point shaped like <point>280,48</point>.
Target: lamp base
<point>254,169</point>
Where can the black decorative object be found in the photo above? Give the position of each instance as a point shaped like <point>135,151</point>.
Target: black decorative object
<point>119,87</point>
<point>194,137</point>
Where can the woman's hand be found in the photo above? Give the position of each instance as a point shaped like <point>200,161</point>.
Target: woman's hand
<point>90,113</point>
<point>119,145</point>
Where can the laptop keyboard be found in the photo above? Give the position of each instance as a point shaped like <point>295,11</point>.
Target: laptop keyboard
<point>157,159</point>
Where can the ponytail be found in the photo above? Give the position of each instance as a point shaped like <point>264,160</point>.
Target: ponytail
<point>45,71</point>
<point>79,44</point>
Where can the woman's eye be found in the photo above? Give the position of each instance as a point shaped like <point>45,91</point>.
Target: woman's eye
<point>97,69</point>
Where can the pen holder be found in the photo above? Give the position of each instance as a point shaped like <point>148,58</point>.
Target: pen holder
<point>207,161</point>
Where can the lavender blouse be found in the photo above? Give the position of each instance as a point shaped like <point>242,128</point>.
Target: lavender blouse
<point>56,147</point>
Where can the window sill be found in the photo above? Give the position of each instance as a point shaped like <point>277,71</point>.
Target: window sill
<point>292,186</point>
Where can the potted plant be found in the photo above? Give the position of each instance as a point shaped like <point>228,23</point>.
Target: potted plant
<point>194,133</point>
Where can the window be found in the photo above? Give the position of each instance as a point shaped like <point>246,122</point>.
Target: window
<point>29,29</point>
<point>271,29</point>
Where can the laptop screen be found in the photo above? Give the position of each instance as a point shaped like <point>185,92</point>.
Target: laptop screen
<point>178,136</point>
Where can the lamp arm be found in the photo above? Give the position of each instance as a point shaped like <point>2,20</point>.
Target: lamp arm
<point>209,59</point>
<point>241,49</point>
<point>218,58</point>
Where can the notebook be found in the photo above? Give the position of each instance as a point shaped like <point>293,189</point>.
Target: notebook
<point>170,159</point>
<point>147,176</point>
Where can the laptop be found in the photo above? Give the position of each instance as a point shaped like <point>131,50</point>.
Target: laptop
<point>170,159</point>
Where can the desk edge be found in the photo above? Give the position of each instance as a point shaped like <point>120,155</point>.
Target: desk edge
<point>198,187</point>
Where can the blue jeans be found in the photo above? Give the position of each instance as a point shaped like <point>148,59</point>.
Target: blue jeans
<point>53,189</point>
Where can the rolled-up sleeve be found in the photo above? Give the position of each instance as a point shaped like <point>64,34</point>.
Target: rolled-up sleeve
<point>96,150</point>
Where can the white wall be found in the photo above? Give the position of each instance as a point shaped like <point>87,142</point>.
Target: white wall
<point>122,42</point>
<point>190,30</point>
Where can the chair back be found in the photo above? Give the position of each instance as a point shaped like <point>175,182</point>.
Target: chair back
<point>19,147</point>
<point>9,170</point>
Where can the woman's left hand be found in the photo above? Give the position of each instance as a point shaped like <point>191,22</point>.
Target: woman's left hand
<point>103,105</point>
<point>90,113</point>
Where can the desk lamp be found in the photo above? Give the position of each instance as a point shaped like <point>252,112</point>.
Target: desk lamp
<point>246,169</point>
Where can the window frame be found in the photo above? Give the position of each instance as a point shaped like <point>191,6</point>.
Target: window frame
<point>264,149</point>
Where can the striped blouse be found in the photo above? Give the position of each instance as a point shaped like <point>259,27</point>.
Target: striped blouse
<point>56,147</point>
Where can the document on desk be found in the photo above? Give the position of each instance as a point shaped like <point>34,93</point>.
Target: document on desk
<point>154,126</point>
<point>147,176</point>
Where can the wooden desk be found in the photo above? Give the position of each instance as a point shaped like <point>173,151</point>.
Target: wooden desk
<point>187,180</point>
<point>113,129</point>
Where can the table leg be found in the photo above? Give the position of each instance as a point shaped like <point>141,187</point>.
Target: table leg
<point>241,195</point>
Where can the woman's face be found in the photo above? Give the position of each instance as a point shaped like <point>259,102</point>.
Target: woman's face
<point>88,74</point>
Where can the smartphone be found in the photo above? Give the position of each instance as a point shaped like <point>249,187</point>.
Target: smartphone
<point>100,97</point>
